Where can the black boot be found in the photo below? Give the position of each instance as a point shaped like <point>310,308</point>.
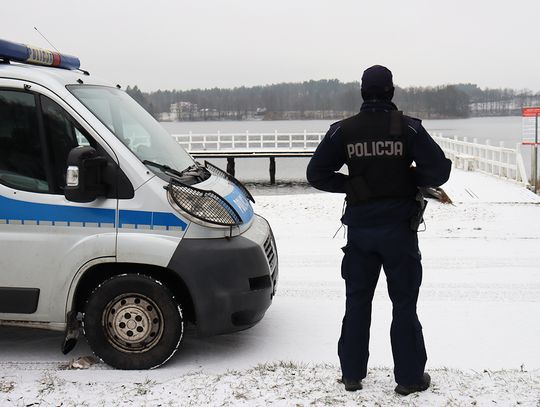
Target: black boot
<point>413,388</point>
<point>351,385</point>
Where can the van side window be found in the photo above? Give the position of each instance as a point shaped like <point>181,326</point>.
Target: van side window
<point>63,134</point>
<point>21,151</point>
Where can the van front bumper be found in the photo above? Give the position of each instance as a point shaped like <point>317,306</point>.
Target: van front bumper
<point>231,280</point>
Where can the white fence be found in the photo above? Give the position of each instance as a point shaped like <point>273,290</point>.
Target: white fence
<point>249,141</point>
<point>498,160</point>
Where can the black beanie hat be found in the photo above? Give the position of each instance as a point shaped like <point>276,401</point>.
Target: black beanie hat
<point>377,83</point>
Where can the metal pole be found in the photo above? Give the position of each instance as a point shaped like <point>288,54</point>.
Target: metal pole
<point>535,157</point>
<point>230,165</point>
<point>272,170</point>
<point>500,163</point>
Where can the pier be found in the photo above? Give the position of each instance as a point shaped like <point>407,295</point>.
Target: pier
<point>250,145</point>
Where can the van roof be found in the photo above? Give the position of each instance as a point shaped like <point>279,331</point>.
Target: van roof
<point>47,68</point>
<point>47,76</point>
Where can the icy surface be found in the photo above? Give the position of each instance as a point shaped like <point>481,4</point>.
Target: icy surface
<point>479,305</point>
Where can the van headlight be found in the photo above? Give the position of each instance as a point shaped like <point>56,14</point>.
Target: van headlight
<point>206,206</point>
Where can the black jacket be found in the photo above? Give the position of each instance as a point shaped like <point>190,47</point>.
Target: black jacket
<point>432,169</point>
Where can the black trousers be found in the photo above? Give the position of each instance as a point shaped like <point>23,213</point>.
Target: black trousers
<point>395,248</point>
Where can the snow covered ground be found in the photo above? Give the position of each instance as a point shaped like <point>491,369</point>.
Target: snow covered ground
<point>479,305</point>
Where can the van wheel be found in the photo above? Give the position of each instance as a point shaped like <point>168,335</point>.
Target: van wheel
<point>132,321</point>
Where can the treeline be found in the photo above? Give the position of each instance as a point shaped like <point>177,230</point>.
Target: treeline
<point>433,102</point>
<point>326,99</point>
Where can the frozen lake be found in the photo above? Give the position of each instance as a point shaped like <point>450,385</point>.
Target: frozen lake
<point>507,129</point>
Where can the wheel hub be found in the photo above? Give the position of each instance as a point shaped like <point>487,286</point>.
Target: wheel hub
<point>133,323</point>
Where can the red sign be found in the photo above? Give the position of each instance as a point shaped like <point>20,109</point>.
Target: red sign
<point>530,111</point>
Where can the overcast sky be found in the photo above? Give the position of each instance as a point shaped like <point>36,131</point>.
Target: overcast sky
<point>165,44</point>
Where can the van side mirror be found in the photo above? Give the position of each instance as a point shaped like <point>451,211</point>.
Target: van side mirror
<point>84,181</point>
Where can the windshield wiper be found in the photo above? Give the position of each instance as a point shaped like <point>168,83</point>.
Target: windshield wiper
<point>165,168</point>
<point>194,170</point>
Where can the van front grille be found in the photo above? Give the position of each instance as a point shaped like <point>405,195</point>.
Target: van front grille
<point>271,253</point>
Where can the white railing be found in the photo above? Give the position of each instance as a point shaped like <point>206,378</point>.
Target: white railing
<point>250,141</point>
<point>498,160</point>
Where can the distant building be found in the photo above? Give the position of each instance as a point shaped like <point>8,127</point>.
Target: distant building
<point>508,107</point>
<point>183,110</point>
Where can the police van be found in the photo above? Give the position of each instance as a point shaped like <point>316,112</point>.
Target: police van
<point>108,224</point>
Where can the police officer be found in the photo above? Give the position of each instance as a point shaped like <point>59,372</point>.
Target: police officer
<point>379,146</point>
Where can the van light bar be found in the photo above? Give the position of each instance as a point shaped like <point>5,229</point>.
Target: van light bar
<point>37,56</point>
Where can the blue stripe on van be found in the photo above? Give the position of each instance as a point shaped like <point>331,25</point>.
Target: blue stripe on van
<point>21,211</point>
<point>151,219</point>
<point>134,218</point>
<point>11,209</point>
<point>168,220</point>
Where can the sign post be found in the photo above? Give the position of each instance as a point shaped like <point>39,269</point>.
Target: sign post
<point>530,137</point>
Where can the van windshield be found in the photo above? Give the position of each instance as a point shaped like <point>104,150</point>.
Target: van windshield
<point>133,126</point>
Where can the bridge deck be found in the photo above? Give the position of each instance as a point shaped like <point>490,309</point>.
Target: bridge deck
<point>259,153</point>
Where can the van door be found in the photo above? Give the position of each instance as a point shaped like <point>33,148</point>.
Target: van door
<point>44,239</point>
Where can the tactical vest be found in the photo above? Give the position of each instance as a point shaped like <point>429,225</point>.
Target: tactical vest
<point>378,156</point>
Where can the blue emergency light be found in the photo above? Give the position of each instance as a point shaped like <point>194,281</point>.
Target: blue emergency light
<point>37,56</point>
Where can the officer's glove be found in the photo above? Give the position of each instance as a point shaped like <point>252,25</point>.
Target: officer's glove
<point>437,193</point>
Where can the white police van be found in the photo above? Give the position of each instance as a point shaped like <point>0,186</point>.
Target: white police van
<point>106,220</point>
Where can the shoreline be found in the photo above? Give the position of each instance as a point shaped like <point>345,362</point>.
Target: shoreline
<point>336,118</point>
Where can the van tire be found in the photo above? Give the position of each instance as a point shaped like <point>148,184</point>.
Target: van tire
<point>133,321</point>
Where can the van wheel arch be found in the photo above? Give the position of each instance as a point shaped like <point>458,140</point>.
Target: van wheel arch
<point>100,273</point>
